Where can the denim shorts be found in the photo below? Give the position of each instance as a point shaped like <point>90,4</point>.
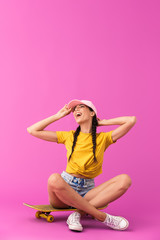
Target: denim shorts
<point>80,185</point>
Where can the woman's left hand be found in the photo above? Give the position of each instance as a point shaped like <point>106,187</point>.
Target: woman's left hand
<point>99,122</point>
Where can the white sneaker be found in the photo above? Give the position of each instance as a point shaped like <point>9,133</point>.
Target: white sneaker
<point>73,222</point>
<point>116,222</point>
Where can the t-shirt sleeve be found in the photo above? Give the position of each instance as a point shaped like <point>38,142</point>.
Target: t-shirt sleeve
<point>62,136</point>
<point>108,139</point>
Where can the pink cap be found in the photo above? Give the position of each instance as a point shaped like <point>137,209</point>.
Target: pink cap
<point>75,102</point>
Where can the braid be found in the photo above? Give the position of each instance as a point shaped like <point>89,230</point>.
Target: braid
<point>75,140</point>
<point>94,129</point>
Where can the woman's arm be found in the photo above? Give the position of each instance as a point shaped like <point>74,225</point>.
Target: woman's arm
<point>37,128</point>
<point>126,124</point>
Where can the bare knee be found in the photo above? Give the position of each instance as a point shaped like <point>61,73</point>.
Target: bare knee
<point>125,181</point>
<point>55,181</point>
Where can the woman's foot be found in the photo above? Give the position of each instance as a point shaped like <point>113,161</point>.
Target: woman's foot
<point>73,222</point>
<point>116,222</point>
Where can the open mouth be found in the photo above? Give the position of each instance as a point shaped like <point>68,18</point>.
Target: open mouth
<point>78,114</point>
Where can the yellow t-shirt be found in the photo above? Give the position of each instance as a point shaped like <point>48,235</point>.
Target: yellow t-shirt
<point>82,159</point>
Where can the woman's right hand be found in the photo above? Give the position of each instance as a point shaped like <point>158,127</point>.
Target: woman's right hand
<point>64,111</point>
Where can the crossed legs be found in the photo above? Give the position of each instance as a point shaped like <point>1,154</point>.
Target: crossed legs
<point>61,195</point>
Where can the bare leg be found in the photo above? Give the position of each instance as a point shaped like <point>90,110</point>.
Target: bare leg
<point>67,195</point>
<point>54,200</point>
<point>108,192</point>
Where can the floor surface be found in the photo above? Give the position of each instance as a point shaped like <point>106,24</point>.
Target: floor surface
<point>19,222</point>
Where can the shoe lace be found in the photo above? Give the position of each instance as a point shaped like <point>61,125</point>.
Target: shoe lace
<point>75,218</point>
<point>114,221</point>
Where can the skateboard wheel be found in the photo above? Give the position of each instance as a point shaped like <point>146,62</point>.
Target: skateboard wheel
<point>50,218</point>
<point>38,214</point>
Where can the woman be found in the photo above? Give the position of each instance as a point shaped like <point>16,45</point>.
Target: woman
<point>75,187</point>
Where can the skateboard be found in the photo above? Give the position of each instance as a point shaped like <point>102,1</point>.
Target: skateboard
<point>43,211</point>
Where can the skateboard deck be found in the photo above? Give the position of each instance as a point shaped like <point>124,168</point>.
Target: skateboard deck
<point>43,211</point>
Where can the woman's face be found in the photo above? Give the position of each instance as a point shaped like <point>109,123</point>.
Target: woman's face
<point>82,113</point>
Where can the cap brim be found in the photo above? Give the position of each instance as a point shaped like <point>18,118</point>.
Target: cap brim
<point>73,103</point>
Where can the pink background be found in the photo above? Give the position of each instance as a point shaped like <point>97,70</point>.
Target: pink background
<point>52,52</point>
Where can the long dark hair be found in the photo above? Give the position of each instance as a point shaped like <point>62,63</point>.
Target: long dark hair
<point>94,130</point>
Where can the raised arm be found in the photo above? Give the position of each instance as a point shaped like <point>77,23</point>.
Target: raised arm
<point>37,129</point>
<point>126,123</point>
